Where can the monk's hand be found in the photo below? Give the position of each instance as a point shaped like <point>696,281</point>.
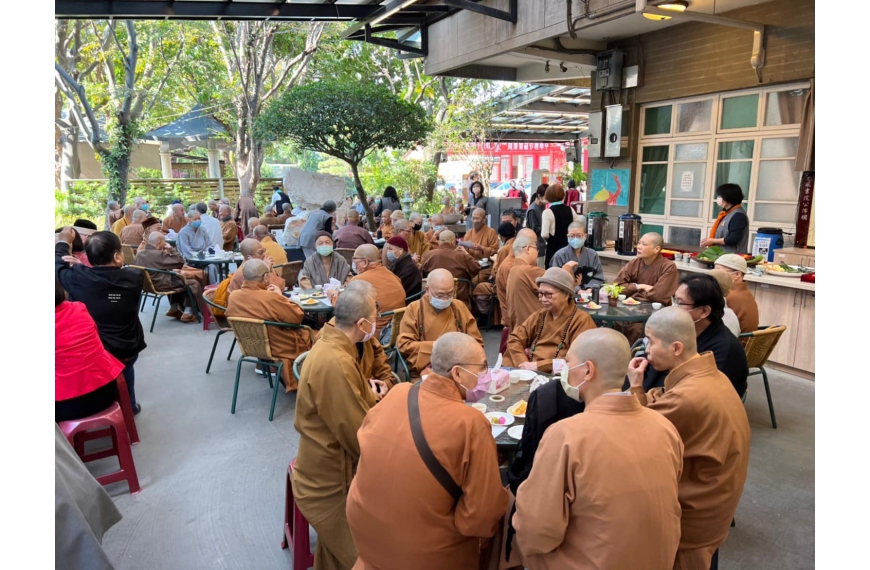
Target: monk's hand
<point>379,387</point>
<point>641,287</point>
<point>636,370</point>
<point>67,234</point>
<point>273,288</point>
<point>71,259</point>
<point>268,261</point>
<point>416,258</point>
<point>461,248</point>
<point>528,366</point>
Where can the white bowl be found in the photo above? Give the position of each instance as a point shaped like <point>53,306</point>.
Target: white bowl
<point>621,298</point>
<point>657,306</point>
<point>522,375</point>
<point>318,287</point>
<point>479,407</point>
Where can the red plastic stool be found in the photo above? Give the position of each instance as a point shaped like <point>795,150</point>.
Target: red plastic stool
<point>113,419</point>
<point>126,408</point>
<point>502,344</point>
<point>296,536</point>
<point>207,319</point>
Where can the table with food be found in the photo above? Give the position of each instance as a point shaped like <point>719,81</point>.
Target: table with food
<point>311,300</point>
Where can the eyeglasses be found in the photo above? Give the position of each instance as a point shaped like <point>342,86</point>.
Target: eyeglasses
<point>576,235</point>
<point>442,296</point>
<point>545,294</point>
<point>677,303</point>
<point>485,364</point>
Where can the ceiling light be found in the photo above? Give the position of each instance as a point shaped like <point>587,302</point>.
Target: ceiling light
<point>672,5</point>
<point>389,13</point>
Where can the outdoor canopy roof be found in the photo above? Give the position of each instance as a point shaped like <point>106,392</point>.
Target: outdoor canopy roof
<point>541,112</point>
<point>194,128</point>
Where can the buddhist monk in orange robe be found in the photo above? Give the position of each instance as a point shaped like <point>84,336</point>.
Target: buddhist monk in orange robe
<point>459,263</point>
<point>252,249</point>
<point>740,299</point>
<point>484,242</point>
<point>258,299</point>
<point>521,291</point>
<point>391,295</point>
<point>707,412</point>
<point>174,221</point>
<point>580,508</point>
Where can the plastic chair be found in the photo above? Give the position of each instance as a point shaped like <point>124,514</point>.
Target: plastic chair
<point>391,348</point>
<point>456,282</point>
<point>149,289</point>
<point>253,338</point>
<point>296,527</point>
<point>346,253</point>
<point>112,420</point>
<point>129,254</point>
<point>290,272</point>
<point>297,365</point>
<point>414,297</point>
<point>758,346</point>
<point>222,323</point>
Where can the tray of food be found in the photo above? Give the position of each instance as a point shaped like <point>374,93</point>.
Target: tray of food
<point>782,270</point>
<point>709,256</point>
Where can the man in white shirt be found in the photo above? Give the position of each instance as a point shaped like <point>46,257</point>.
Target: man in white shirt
<point>211,226</point>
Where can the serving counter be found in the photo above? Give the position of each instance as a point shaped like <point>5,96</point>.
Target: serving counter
<point>781,301</point>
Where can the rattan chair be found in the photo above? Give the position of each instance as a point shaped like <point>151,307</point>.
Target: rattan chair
<point>391,350</point>
<point>253,338</point>
<point>222,323</point>
<point>758,346</point>
<point>346,253</point>
<point>149,289</point>
<point>129,254</point>
<point>493,303</point>
<point>290,272</point>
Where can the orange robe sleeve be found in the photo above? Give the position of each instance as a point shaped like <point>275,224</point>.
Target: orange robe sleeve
<point>484,499</point>
<point>519,340</point>
<point>415,350</point>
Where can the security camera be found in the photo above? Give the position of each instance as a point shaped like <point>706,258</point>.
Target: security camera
<point>563,67</point>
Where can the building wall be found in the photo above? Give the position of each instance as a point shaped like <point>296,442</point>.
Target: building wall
<point>697,58</point>
<point>144,156</point>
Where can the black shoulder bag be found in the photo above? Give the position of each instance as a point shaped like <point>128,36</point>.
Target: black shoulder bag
<point>435,468</point>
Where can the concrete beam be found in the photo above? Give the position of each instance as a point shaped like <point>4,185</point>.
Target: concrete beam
<point>491,72</point>
<point>542,137</point>
<point>559,108</point>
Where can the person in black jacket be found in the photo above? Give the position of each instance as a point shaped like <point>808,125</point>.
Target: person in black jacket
<point>111,293</point>
<point>701,297</point>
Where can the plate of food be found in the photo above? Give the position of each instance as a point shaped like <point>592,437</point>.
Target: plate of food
<point>518,410</point>
<point>782,270</point>
<point>318,296</point>
<point>631,301</point>
<point>516,432</point>
<point>499,418</point>
<point>310,302</point>
<point>304,297</point>
<point>592,306</point>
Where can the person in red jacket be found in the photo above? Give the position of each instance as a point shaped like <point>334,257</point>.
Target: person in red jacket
<point>84,372</point>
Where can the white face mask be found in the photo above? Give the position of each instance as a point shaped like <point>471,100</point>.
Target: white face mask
<point>369,335</point>
<point>572,392</point>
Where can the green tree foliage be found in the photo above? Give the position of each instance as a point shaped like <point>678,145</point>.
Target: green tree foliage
<point>348,122</point>
<point>388,168</point>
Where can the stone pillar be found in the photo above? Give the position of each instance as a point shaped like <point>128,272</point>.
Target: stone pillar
<point>214,164</point>
<point>165,160</point>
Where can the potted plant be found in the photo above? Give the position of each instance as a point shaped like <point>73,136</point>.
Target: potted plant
<point>613,292</point>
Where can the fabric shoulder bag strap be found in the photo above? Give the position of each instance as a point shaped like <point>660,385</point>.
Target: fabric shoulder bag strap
<point>435,468</point>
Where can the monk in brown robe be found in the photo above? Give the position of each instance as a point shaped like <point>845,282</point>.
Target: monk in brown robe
<point>648,277</point>
<point>373,360</point>
<point>115,213</point>
<point>457,262</point>
<point>252,249</point>
<point>273,250</point>
<point>484,242</point>
<point>245,209</point>
<point>391,295</point>
<point>333,400</point>
<point>252,223</point>
<point>157,254</point>
<point>483,291</point>
<point>229,229</point>
<point>740,299</point>
<point>122,223</point>
<point>431,316</point>
<point>269,218</point>
<point>578,509</point>
<point>521,291</point>
<point>547,333</point>
<point>260,299</point>
<point>386,227</point>
<point>437,223</point>
<point>418,245</point>
<point>400,515</point>
<point>133,233</point>
<point>176,220</point>
<point>707,412</point>
<point>149,225</point>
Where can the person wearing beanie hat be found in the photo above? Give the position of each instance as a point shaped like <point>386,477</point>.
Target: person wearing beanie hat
<point>546,335</point>
<point>324,264</point>
<point>740,299</point>
<point>728,318</point>
<point>403,266</point>
<point>148,226</point>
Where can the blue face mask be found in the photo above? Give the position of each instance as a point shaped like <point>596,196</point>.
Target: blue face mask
<point>324,250</point>
<point>391,256</point>
<point>196,224</point>
<point>576,243</point>
<point>144,207</point>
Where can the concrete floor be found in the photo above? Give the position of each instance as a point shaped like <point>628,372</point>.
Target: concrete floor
<point>213,483</point>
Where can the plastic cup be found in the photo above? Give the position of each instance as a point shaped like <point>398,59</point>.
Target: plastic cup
<point>479,407</point>
<point>621,298</point>
<point>657,306</point>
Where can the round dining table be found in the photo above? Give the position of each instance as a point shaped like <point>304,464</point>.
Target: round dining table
<point>620,313</point>
<point>222,261</point>
<point>321,306</point>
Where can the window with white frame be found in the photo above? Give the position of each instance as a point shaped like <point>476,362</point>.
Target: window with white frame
<point>689,147</point>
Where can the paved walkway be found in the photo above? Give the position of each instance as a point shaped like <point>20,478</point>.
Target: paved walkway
<point>213,483</point>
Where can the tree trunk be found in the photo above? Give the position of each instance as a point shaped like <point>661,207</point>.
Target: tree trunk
<point>70,165</point>
<point>370,216</point>
<point>249,160</point>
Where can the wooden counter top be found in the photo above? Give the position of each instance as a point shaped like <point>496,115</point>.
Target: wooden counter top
<point>694,267</point>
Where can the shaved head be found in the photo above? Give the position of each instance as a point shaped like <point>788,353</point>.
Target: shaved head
<point>250,246</point>
<point>673,324</point>
<point>352,306</point>
<point>437,220</point>
<point>455,349</point>
<point>368,252</point>
<point>253,223</point>
<point>156,239</point>
<point>129,209</point>
<point>655,239</point>
<point>260,232</point>
<point>724,280</point>
<point>178,209</point>
<point>254,269</point>
<point>524,241</point>
<point>362,287</point>
<point>447,237</point>
<point>353,216</point>
<point>608,350</point>
<point>415,217</point>
<point>440,278</point>
<point>400,224</point>
<point>139,215</point>
<point>527,232</point>
<point>224,211</point>
<point>385,214</point>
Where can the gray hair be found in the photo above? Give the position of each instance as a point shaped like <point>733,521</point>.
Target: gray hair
<point>192,213</point>
<point>673,324</point>
<point>138,201</point>
<point>139,215</point>
<point>201,207</point>
<point>212,203</point>
<point>451,349</point>
<point>287,207</point>
<point>129,209</point>
<point>352,306</point>
<point>254,269</point>
<point>415,216</point>
<point>401,224</point>
<point>111,204</point>
<point>155,238</point>
<point>261,231</point>
<point>521,243</point>
<point>577,226</point>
